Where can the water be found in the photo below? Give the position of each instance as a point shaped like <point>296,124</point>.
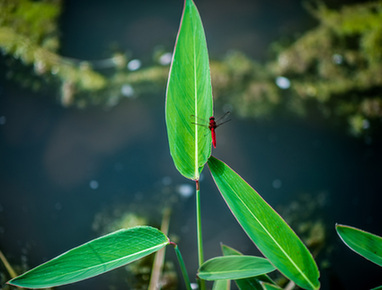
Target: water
<point>60,167</point>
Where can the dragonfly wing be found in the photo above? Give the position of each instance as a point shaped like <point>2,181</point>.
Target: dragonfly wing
<point>196,118</point>
<point>221,123</point>
<point>225,115</point>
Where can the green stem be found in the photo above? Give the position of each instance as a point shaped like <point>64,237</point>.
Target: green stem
<point>202,284</point>
<point>182,266</point>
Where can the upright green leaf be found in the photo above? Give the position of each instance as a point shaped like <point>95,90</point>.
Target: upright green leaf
<point>271,234</point>
<point>363,243</point>
<point>189,96</point>
<point>234,267</point>
<point>95,257</point>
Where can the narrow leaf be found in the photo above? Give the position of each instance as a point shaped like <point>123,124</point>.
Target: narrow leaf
<point>189,96</point>
<point>229,251</point>
<point>271,234</point>
<point>363,243</point>
<point>93,258</point>
<point>234,267</point>
<point>246,283</point>
<point>267,286</point>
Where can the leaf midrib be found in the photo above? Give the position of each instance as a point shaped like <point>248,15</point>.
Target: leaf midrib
<point>105,263</point>
<point>273,239</point>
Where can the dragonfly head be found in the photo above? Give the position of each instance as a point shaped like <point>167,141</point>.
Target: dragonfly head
<point>212,118</point>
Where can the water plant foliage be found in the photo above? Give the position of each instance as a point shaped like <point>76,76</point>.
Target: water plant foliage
<point>189,102</point>
<point>234,267</point>
<point>247,283</point>
<point>94,257</point>
<point>189,96</point>
<point>363,243</point>
<point>271,234</point>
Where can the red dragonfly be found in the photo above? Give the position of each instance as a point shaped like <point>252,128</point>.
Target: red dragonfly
<point>213,124</point>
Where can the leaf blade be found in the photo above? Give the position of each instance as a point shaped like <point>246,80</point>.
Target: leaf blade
<point>189,93</point>
<point>363,243</point>
<point>246,283</point>
<point>270,233</point>
<point>94,257</point>
<point>268,286</point>
<point>234,267</point>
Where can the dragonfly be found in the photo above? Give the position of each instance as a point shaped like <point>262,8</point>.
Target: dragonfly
<point>213,124</point>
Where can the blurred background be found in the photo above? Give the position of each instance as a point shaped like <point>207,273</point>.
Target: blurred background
<point>83,140</point>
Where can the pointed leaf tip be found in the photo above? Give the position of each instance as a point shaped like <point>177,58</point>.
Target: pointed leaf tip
<point>93,258</point>
<point>271,234</point>
<point>189,96</point>
<point>363,243</point>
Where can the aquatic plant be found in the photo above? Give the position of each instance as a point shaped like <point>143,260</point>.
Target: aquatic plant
<point>189,93</point>
<point>363,243</point>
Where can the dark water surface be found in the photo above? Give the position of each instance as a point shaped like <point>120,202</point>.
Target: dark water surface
<point>60,167</point>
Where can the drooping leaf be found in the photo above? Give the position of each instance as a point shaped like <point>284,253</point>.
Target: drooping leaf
<point>363,243</point>
<point>95,257</point>
<point>271,234</point>
<point>246,283</point>
<point>189,96</point>
<point>234,267</point>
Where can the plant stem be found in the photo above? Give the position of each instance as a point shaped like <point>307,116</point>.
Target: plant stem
<point>160,255</point>
<point>202,284</point>
<point>8,266</point>
<point>182,266</point>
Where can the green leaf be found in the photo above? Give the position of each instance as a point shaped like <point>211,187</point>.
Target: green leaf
<point>95,257</point>
<point>267,286</point>
<point>189,93</point>
<point>234,267</point>
<point>229,251</point>
<point>363,243</point>
<point>271,234</point>
<point>246,283</point>
<point>222,285</point>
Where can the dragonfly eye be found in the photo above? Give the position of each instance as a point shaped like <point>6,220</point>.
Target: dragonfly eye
<point>212,118</point>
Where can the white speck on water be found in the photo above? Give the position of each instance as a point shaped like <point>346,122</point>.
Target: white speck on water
<point>127,91</point>
<point>283,83</point>
<point>165,59</point>
<point>134,64</point>
<point>167,180</point>
<point>93,184</point>
<point>277,183</point>
<point>337,58</point>
<point>365,124</point>
<point>185,190</point>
